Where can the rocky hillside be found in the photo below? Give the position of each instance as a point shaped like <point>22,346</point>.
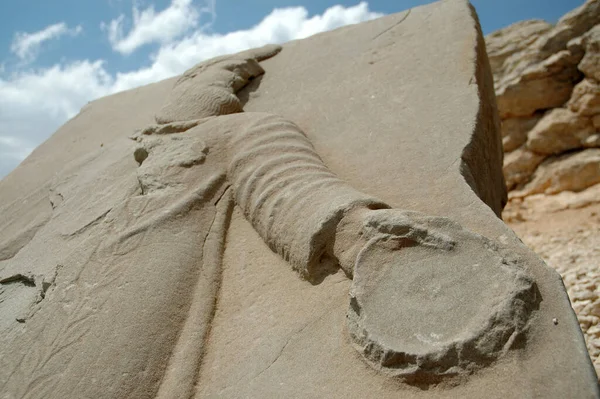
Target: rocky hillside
<point>547,80</point>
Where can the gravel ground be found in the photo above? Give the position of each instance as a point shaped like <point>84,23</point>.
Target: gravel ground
<point>569,241</point>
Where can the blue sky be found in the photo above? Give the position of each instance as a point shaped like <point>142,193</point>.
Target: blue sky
<point>55,56</point>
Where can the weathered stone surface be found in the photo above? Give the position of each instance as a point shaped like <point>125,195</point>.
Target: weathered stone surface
<point>515,38</point>
<point>564,173</point>
<point>571,25</point>
<point>519,165</point>
<point>576,47</point>
<point>562,226</point>
<point>413,260</point>
<point>585,98</point>
<point>514,131</point>
<point>591,59</point>
<point>565,230</point>
<point>169,273</point>
<point>210,88</point>
<point>558,131</point>
<point>540,86</point>
<point>535,205</point>
<point>592,141</point>
<point>539,73</point>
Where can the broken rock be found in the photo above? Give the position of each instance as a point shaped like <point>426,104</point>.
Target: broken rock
<point>558,131</point>
<point>586,98</point>
<point>566,172</point>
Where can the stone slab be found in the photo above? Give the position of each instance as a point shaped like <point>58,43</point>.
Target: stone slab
<point>400,108</point>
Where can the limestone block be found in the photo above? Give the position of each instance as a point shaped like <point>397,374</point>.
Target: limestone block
<point>515,38</point>
<point>591,59</point>
<point>565,173</point>
<point>592,141</point>
<point>558,131</point>
<point>538,72</point>
<point>576,47</point>
<point>519,165</point>
<point>514,131</point>
<point>571,25</point>
<point>585,98</point>
<point>534,205</point>
<point>540,86</point>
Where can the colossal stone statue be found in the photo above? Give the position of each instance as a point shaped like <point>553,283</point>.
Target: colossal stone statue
<point>147,273</point>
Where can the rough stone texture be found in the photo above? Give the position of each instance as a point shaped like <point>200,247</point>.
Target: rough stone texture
<point>514,131</point>
<point>558,131</point>
<point>553,72</point>
<point>438,263</point>
<point>571,25</point>
<point>592,141</point>
<point>591,59</point>
<point>210,88</point>
<point>558,225</point>
<point>513,39</point>
<point>542,42</point>
<point>519,165</point>
<point>540,86</point>
<point>568,172</point>
<point>159,263</point>
<point>540,72</point>
<point>532,206</point>
<point>585,98</point>
<point>565,230</point>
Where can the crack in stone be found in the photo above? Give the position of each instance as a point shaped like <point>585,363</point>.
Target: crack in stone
<point>394,25</point>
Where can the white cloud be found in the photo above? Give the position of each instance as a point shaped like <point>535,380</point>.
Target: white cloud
<point>152,27</point>
<point>26,46</point>
<point>34,103</point>
<point>280,26</point>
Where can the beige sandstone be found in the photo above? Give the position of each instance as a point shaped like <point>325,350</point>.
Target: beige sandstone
<point>591,60</point>
<point>572,172</point>
<point>562,225</point>
<point>576,47</point>
<point>585,98</point>
<point>519,165</point>
<point>513,39</point>
<point>514,131</point>
<point>592,141</point>
<point>282,233</point>
<point>540,86</point>
<point>544,75</point>
<point>540,72</point>
<point>548,41</point>
<point>569,26</point>
<point>558,131</point>
<point>536,206</point>
<point>565,230</point>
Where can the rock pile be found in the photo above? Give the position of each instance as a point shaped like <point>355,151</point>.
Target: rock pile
<point>548,92</point>
<point>547,81</point>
